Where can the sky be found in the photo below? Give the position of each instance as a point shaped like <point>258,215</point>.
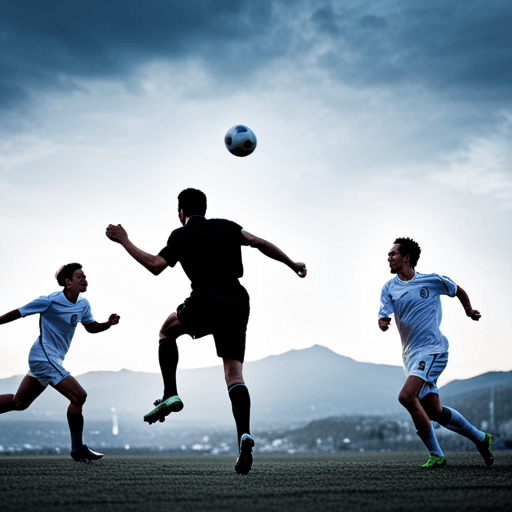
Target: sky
<point>374,120</point>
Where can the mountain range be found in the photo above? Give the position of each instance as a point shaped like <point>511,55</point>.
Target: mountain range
<point>287,390</point>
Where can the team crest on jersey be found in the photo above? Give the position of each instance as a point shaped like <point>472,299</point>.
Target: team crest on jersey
<point>424,293</point>
<point>73,319</point>
<point>421,366</point>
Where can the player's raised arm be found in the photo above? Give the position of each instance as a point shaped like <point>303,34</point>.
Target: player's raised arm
<point>466,304</point>
<point>95,327</point>
<point>10,317</point>
<point>270,250</point>
<point>154,263</point>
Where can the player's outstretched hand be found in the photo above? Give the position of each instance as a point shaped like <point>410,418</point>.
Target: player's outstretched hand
<point>474,314</point>
<point>116,233</point>
<point>300,269</point>
<point>384,323</point>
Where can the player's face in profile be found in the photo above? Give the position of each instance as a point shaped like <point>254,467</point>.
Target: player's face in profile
<point>395,260</point>
<point>78,282</point>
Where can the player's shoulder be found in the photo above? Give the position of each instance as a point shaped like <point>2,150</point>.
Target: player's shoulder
<point>392,282</point>
<point>45,299</point>
<point>224,224</point>
<point>443,283</point>
<point>55,297</point>
<point>434,277</point>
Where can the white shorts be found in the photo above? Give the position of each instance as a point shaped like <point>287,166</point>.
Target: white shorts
<point>427,367</point>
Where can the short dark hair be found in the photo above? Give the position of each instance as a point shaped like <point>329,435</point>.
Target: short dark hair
<point>192,201</point>
<point>66,272</point>
<point>410,247</point>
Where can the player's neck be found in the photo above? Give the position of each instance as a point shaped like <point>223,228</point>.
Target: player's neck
<point>406,274</point>
<point>71,296</point>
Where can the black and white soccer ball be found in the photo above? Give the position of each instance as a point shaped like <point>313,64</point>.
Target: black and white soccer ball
<point>240,140</point>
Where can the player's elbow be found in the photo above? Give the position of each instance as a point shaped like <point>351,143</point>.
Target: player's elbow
<point>91,328</point>
<point>155,270</point>
<point>157,265</point>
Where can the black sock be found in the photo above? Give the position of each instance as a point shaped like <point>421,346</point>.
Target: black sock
<point>168,357</point>
<point>241,404</point>
<point>76,428</point>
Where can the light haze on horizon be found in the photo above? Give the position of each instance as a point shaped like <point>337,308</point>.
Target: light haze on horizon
<point>374,119</point>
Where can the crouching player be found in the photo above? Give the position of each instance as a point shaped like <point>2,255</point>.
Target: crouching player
<point>60,313</point>
<point>415,299</point>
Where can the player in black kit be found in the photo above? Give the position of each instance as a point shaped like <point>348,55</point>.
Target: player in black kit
<point>209,251</point>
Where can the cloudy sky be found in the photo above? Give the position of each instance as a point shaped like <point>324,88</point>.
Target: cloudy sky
<point>375,119</point>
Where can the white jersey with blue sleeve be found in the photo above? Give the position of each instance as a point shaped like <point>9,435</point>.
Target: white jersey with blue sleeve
<point>58,321</point>
<point>418,313</point>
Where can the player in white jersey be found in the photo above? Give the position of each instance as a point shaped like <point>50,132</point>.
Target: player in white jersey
<point>415,299</point>
<point>60,313</point>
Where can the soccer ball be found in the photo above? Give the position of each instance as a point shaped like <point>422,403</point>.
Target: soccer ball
<point>240,140</point>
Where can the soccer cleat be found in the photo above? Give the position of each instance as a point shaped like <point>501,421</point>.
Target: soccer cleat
<point>85,454</point>
<point>434,462</point>
<point>484,447</point>
<point>164,408</point>
<point>244,460</point>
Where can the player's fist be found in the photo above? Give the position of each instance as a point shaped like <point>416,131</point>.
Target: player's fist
<point>116,233</point>
<point>113,319</point>
<point>473,314</point>
<point>384,323</point>
<point>300,269</point>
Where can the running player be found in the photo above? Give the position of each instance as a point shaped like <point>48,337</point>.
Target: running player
<point>60,313</point>
<point>415,299</point>
<point>209,251</point>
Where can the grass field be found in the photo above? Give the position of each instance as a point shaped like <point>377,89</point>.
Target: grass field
<point>352,482</point>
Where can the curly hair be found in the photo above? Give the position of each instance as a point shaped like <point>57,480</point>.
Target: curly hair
<point>410,247</point>
<point>192,201</point>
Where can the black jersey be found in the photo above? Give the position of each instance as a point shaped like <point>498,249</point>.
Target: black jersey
<point>209,251</point>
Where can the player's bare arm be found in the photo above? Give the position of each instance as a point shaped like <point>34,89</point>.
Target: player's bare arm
<point>466,304</point>
<point>270,250</point>
<point>10,317</point>
<point>95,327</point>
<point>154,263</point>
<point>384,323</point>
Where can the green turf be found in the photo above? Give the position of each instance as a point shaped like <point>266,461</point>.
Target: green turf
<point>351,482</point>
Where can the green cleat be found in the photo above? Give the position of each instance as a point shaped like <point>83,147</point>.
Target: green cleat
<point>434,462</point>
<point>484,447</point>
<point>164,408</point>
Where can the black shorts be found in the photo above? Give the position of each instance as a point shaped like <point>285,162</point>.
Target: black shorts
<point>224,314</point>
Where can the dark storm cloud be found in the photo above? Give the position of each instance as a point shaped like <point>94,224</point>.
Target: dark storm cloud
<point>43,40</point>
<point>464,45</point>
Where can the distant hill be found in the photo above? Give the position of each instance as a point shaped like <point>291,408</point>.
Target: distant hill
<point>484,381</point>
<point>287,390</point>
<point>294,387</point>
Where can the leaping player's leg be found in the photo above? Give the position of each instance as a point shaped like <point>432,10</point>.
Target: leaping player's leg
<point>168,357</point>
<point>75,393</point>
<point>239,396</point>
<point>454,421</point>
<point>29,389</point>
<point>241,406</point>
<point>408,397</point>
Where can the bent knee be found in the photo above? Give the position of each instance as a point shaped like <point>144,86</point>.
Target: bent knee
<point>21,405</point>
<point>406,399</point>
<point>79,400</point>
